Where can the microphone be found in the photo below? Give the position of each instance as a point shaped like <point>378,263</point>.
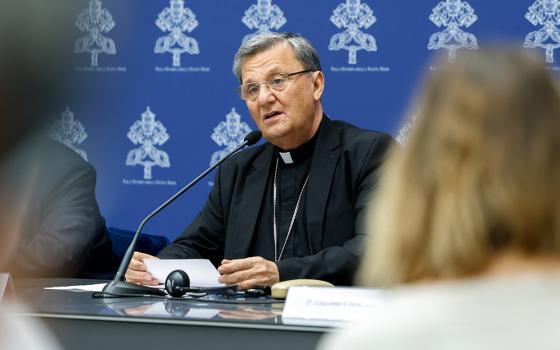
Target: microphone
<point>118,285</point>
<point>178,283</point>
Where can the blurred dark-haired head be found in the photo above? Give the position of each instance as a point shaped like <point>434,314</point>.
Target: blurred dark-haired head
<point>33,64</point>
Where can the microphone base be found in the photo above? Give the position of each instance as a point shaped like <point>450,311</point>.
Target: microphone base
<point>130,289</point>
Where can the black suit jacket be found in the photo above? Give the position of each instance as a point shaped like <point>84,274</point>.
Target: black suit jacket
<point>342,175</point>
<point>63,232</point>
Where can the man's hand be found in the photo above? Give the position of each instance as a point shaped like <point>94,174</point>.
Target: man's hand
<point>249,272</point>
<point>137,272</point>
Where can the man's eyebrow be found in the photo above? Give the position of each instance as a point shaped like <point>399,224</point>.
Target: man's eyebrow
<point>272,72</point>
<point>275,71</point>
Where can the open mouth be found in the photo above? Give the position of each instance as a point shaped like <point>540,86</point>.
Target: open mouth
<point>271,115</point>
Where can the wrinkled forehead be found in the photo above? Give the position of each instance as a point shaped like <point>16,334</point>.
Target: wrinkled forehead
<point>281,54</point>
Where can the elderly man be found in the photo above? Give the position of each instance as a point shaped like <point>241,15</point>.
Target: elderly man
<point>292,207</point>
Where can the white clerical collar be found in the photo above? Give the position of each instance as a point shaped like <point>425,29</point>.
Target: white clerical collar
<point>286,157</point>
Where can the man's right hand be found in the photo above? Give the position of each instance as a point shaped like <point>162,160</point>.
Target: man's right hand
<point>137,272</point>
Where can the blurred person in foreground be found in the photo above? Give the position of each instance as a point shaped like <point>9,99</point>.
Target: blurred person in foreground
<point>47,191</point>
<point>466,221</point>
<point>30,77</point>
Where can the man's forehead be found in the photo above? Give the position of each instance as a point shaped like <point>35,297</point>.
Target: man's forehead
<point>270,60</point>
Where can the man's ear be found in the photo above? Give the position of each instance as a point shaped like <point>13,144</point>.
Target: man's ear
<point>318,85</point>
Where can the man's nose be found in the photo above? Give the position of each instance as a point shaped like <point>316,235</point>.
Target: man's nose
<point>265,94</point>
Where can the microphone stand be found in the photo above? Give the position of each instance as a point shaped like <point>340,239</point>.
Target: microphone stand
<point>118,285</point>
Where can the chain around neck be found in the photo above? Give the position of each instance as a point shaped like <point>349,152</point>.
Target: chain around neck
<point>277,256</point>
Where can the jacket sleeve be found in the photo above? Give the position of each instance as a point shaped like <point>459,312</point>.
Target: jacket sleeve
<point>337,264</point>
<point>204,237</point>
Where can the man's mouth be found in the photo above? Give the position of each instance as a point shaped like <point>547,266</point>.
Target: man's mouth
<point>271,115</point>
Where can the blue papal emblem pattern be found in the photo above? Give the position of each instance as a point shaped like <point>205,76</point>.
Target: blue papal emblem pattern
<point>176,19</point>
<point>544,13</point>
<point>406,130</point>
<point>69,132</point>
<point>229,133</point>
<point>263,17</point>
<point>95,21</point>
<point>353,16</point>
<point>453,15</point>
<point>148,133</point>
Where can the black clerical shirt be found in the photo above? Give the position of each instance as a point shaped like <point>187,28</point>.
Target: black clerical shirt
<point>290,180</point>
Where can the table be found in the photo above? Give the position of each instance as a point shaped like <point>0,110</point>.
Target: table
<point>82,322</point>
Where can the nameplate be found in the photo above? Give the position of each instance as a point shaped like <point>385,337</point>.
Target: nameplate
<point>7,289</point>
<point>331,305</point>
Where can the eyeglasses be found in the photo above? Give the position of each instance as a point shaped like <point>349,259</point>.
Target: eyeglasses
<point>278,82</point>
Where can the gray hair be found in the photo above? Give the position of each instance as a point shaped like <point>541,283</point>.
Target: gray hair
<point>303,50</point>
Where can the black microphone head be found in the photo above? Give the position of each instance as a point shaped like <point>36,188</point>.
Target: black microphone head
<point>253,137</point>
<point>177,282</point>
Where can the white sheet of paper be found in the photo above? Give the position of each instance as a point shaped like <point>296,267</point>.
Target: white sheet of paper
<point>201,271</point>
<point>81,288</point>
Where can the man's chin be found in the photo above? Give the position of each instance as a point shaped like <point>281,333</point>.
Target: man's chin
<point>274,135</point>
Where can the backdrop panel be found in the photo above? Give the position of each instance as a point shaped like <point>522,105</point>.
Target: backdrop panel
<point>156,101</point>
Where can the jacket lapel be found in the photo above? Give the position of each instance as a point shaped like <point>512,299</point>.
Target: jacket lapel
<point>249,208</point>
<point>325,158</point>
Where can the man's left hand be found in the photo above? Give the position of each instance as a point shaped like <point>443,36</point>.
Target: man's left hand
<point>248,272</point>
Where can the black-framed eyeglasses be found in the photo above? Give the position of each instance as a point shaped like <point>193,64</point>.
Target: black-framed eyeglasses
<point>277,82</point>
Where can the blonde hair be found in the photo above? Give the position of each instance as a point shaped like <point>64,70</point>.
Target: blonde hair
<point>480,174</point>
